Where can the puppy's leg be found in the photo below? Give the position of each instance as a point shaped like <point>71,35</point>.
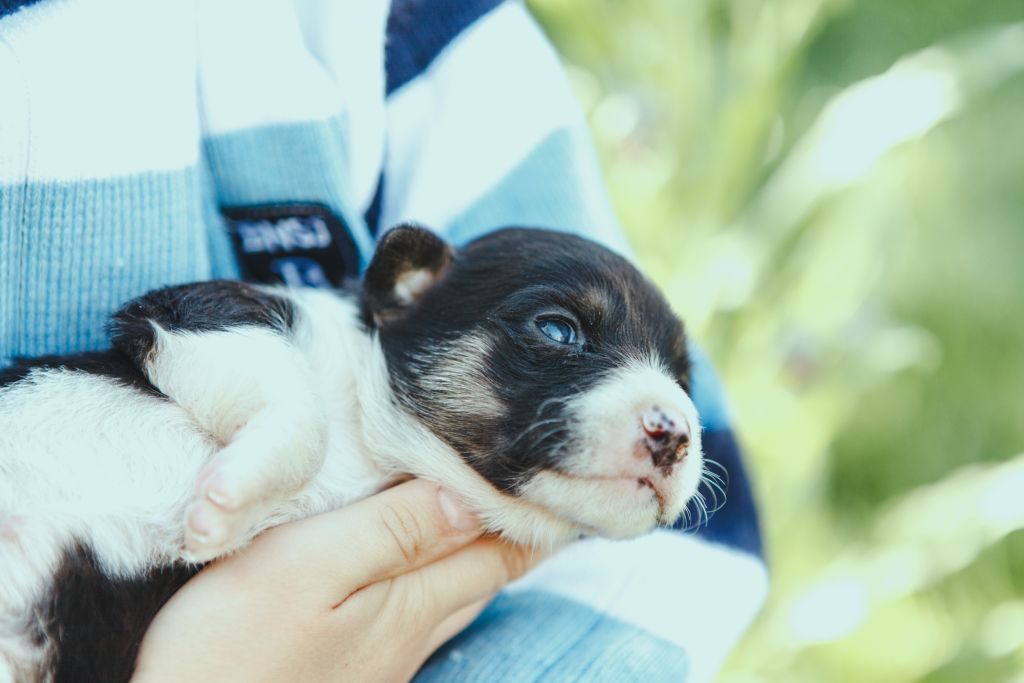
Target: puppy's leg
<point>223,352</point>
<point>250,389</point>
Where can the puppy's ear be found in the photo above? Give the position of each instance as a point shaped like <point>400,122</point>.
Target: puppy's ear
<point>408,261</point>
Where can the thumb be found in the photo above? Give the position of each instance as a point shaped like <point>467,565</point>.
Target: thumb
<point>385,535</point>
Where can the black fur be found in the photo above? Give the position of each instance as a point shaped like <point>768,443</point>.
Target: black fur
<point>402,249</point>
<point>197,307</point>
<point>96,623</point>
<point>112,364</point>
<point>618,312</point>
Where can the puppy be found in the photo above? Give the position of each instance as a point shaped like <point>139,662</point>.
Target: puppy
<point>537,374</point>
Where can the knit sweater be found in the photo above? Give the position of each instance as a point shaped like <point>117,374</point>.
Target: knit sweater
<point>132,132</point>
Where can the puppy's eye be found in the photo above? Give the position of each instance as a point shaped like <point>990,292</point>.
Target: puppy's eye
<point>557,330</point>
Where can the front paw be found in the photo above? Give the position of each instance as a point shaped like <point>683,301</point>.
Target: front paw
<point>222,514</point>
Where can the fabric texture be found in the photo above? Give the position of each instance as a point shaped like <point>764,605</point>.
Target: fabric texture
<point>126,126</point>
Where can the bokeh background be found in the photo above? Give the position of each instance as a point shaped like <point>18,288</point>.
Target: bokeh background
<point>832,194</point>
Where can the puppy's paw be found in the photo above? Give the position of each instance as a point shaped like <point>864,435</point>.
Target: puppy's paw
<point>222,514</point>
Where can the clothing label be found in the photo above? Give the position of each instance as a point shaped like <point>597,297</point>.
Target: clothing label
<point>298,244</point>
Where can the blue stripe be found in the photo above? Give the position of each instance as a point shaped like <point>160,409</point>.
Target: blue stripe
<point>75,251</point>
<point>372,213</point>
<point>707,391</point>
<point>12,6</point>
<point>223,262</point>
<point>295,162</point>
<point>557,186</point>
<point>538,636</point>
<point>418,30</point>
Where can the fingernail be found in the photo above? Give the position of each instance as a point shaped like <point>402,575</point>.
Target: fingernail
<point>458,515</point>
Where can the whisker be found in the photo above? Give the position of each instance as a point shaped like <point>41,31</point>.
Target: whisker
<point>531,428</point>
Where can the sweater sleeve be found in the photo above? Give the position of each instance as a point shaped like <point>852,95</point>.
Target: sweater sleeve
<point>482,131</point>
<point>282,103</point>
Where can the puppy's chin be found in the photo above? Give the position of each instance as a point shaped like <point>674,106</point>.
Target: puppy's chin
<point>611,506</point>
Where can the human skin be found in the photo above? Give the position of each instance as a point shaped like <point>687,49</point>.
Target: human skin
<point>366,592</point>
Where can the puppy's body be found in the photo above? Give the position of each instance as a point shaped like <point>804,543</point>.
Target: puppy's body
<point>537,375</point>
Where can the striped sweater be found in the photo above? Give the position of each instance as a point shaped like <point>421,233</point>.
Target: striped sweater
<point>130,130</point>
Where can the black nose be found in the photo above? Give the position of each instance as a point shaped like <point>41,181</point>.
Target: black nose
<point>667,436</point>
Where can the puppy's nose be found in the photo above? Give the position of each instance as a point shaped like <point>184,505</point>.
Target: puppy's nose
<point>667,436</point>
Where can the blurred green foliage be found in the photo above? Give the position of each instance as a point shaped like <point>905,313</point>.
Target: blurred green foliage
<point>832,194</point>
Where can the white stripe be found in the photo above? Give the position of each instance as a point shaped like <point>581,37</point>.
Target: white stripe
<point>487,100</point>
<point>13,117</point>
<point>694,594</point>
<point>348,40</point>
<point>102,88</point>
<point>255,70</point>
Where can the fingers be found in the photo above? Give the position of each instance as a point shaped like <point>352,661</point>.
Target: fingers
<point>391,533</point>
<point>475,573</point>
<point>429,598</point>
<point>454,624</point>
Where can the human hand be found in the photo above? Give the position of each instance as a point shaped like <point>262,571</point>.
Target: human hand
<point>366,592</point>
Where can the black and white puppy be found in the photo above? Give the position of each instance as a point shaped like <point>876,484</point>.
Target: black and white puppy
<point>536,374</point>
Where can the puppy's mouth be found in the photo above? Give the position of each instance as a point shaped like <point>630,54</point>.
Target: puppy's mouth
<point>660,484</point>
<point>641,490</point>
<point>614,505</point>
<point>629,487</point>
<point>645,482</point>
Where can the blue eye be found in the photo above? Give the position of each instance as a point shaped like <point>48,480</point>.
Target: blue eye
<point>557,330</point>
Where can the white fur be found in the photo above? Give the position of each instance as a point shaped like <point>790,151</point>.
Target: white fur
<point>599,486</point>
<point>269,440</point>
<point>249,388</point>
<point>454,370</point>
<point>412,283</point>
<point>83,457</point>
<point>407,446</point>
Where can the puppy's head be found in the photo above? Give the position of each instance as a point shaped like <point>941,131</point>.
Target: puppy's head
<point>551,365</point>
